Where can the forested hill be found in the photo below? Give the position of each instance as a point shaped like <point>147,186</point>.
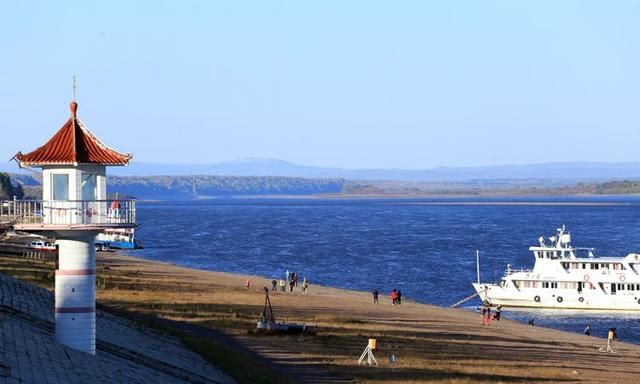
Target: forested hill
<point>8,188</point>
<point>194,187</point>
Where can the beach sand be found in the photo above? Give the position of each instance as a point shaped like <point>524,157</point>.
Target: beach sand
<point>432,344</point>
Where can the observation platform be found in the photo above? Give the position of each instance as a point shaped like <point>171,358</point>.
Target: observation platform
<point>64,215</point>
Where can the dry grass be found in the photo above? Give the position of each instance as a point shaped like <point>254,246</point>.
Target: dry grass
<point>432,344</point>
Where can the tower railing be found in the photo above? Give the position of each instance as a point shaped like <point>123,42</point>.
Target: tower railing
<point>68,212</point>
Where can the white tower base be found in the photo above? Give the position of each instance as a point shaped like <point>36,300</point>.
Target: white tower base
<point>76,291</point>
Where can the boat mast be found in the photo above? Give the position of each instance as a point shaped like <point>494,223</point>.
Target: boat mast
<point>478,264</point>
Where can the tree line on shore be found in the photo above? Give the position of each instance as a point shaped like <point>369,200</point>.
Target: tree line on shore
<point>207,186</point>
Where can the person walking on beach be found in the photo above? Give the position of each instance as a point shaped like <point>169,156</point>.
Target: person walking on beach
<point>291,284</point>
<point>394,296</point>
<point>305,285</point>
<point>587,330</point>
<point>295,279</point>
<point>487,318</point>
<point>274,282</point>
<point>283,286</point>
<point>484,313</point>
<point>399,297</point>
<point>375,293</point>
<point>496,315</point>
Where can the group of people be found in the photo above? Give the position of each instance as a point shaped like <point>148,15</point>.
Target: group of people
<point>487,315</point>
<point>291,281</point>
<point>396,296</point>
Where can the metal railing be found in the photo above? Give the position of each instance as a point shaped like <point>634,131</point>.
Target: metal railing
<point>68,212</point>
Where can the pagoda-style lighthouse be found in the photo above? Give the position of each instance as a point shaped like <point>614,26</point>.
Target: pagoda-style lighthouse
<point>74,208</point>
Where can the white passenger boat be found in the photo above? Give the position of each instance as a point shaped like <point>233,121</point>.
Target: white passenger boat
<point>118,238</point>
<point>568,278</point>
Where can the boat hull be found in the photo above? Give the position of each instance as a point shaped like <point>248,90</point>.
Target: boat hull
<point>557,299</point>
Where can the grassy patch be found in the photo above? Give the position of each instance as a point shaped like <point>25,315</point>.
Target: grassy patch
<point>239,366</point>
<point>334,319</point>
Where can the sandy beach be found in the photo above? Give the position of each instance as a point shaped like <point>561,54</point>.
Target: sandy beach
<point>432,344</point>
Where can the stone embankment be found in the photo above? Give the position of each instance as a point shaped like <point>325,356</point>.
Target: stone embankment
<point>127,352</point>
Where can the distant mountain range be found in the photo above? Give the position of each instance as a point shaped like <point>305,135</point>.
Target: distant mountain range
<point>569,171</point>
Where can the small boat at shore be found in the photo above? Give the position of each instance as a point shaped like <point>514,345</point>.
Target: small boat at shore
<point>41,245</point>
<point>567,277</point>
<point>117,238</point>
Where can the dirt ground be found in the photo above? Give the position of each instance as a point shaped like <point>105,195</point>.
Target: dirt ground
<point>432,344</point>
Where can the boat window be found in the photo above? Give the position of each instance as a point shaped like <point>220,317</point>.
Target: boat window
<point>554,285</point>
<point>584,266</point>
<point>539,254</point>
<point>565,265</point>
<point>545,284</point>
<point>613,289</point>
<point>594,265</point>
<point>630,287</point>
<point>637,287</point>
<point>620,287</point>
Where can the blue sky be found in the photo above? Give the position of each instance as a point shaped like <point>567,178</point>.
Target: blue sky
<point>411,84</point>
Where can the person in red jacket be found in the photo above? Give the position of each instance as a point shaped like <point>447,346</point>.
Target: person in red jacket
<point>394,296</point>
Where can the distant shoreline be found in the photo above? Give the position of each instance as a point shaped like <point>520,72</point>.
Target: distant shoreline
<point>516,203</point>
<point>401,199</point>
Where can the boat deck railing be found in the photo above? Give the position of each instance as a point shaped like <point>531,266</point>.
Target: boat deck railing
<point>511,271</point>
<point>68,212</point>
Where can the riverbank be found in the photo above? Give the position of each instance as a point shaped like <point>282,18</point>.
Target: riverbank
<point>432,344</point>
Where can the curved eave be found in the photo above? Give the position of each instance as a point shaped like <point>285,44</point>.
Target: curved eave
<point>44,164</point>
<point>74,144</point>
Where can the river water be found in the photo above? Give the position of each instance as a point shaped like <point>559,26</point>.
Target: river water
<point>425,247</point>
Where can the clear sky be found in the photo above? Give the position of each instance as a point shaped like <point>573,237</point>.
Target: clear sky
<point>406,84</point>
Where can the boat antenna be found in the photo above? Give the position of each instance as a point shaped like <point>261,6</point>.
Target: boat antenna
<point>478,264</point>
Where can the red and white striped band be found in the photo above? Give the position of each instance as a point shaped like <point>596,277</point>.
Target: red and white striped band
<point>75,310</point>
<point>75,272</point>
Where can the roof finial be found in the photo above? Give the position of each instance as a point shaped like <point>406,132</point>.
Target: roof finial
<point>74,105</point>
<point>74,87</point>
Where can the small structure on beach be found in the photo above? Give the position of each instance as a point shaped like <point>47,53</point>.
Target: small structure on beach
<point>74,209</point>
<point>268,324</point>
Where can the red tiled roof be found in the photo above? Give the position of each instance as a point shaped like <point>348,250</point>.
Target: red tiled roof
<point>73,144</point>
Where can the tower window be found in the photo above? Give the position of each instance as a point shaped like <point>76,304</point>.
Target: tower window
<point>60,186</point>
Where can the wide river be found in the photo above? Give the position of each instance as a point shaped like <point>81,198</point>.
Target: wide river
<point>426,248</point>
